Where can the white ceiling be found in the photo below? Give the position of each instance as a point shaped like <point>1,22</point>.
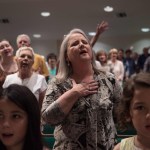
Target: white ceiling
<point>24,17</point>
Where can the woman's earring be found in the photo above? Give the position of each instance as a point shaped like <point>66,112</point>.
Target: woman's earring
<point>68,63</point>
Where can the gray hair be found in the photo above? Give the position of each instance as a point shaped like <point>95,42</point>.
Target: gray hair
<point>23,35</point>
<point>65,70</point>
<point>24,48</point>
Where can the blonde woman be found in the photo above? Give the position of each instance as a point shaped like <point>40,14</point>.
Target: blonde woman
<point>116,66</point>
<point>101,56</point>
<point>25,75</point>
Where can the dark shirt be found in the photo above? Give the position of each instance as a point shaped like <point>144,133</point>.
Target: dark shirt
<point>129,65</point>
<point>147,65</point>
<point>141,60</point>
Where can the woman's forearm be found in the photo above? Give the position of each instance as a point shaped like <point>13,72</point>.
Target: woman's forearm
<point>57,111</point>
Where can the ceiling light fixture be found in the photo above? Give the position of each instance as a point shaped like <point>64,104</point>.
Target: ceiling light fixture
<point>37,35</point>
<point>91,33</point>
<point>45,14</point>
<point>145,29</point>
<point>108,9</point>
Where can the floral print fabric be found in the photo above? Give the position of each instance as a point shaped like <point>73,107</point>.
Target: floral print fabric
<point>90,124</point>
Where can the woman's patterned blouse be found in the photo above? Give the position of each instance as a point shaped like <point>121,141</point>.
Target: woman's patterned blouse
<point>90,123</point>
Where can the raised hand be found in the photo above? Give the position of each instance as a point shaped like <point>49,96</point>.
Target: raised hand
<point>103,26</point>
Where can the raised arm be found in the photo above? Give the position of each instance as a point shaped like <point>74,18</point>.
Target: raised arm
<point>103,26</point>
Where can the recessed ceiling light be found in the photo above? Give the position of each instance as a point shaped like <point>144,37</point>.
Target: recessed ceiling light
<point>91,33</point>
<point>145,29</point>
<point>108,9</point>
<point>45,14</point>
<point>37,35</point>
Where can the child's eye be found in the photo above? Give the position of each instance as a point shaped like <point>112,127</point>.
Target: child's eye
<point>16,116</point>
<point>1,116</point>
<point>140,107</point>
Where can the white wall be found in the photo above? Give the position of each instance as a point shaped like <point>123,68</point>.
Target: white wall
<point>45,47</point>
<point>137,42</point>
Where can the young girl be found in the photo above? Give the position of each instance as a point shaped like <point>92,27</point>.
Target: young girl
<point>134,109</point>
<point>19,119</point>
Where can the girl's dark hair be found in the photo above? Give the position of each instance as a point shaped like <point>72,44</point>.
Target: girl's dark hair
<point>123,110</point>
<point>25,99</point>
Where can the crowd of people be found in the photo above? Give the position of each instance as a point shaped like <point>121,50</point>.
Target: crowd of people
<point>84,101</point>
<point>124,64</point>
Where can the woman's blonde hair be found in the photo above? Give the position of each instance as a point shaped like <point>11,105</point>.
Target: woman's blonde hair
<point>113,50</point>
<point>24,48</point>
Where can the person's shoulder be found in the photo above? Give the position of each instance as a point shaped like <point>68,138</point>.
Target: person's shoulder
<point>120,62</point>
<point>117,147</point>
<point>38,75</point>
<point>127,143</point>
<point>11,75</point>
<point>106,76</point>
<point>109,78</point>
<point>109,74</point>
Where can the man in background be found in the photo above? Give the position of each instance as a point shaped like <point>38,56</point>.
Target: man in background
<point>39,62</point>
<point>143,57</point>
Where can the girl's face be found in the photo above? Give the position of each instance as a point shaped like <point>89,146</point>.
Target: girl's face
<point>140,112</point>
<point>6,49</point>
<point>13,125</point>
<point>79,49</point>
